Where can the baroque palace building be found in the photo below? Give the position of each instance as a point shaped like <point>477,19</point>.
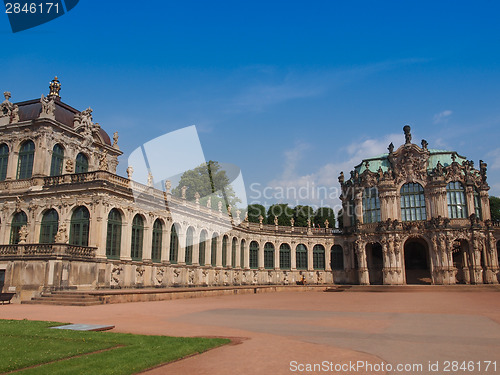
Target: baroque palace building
<point>68,221</point>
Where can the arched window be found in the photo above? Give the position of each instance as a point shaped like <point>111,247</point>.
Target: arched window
<point>26,158</point>
<point>455,195</point>
<point>213,253</point>
<point>301,256</point>
<point>79,229</point>
<point>269,255</point>
<point>189,245</point>
<point>56,166</point>
<point>254,254</point>
<point>137,238</point>
<point>174,245</point>
<point>18,221</point>
<point>157,241</point>
<point>224,251</point>
<point>371,205</point>
<point>203,246</point>
<point>285,261</point>
<point>233,252</point>
<point>477,204</point>
<point>337,258</point>
<point>242,254</point>
<point>4,161</point>
<point>318,257</point>
<point>49,226</point>
<point>82,163</point>
<point>412,202</point>
<point>114,234</point>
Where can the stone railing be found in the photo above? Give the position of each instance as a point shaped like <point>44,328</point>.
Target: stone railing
<point>48,250</point>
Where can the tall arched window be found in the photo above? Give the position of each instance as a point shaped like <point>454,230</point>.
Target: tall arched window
<point>234,245</point>
<point>213,252</point>
<point>285,261</point>
<point>254,254</point>
<point>156,241</point>
<point>114,234</point>
<point>371,205</point>
<point>189,245</point>
<point>269,255</point>
<point>49,226</point>
<point>242,254</point>
<point>137,238</point>
<point>56,166</point>
<point>301,256</point>
<point>203,247</point>
<point>337,258</point>
<point>26,158</point>
<point>224,251</point>
<point>18,221</point>
<point>174,245</point>
<point>79,228</point>
<point>455,195</point>
<point>319,257</point>
<point>477,204</point>
<point>82,163</point>
<point>4,161</point>
<point>412,202</point>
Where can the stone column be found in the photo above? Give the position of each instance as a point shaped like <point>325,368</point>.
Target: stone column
<point>196,251</point>
<point>98,230</point>
<point>358,206</point>
<point>328,257</point>
<point>360,250</point>
<point>41,159</point>
<point>12,165</point>
<point>261,256</point>
<point>310,257</point>
<point>386,270</point>
<point>293,256</point>
<point>229,253</point>
<point>469,198</point>
<point>181,255</point>
<point>485,205</point>
<point>147,243</point>
<point>126,242</point>
<point>218,257</point>
<point>276,255</point>
<point>165,245</point>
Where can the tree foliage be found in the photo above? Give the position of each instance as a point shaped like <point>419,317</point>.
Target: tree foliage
<point>282,212</point>
<point>340,219</point>
<point>208,179</point>
<point>495,208</point>
<point>254,211</point>
<point>301,214</point>
<point>322,214</point>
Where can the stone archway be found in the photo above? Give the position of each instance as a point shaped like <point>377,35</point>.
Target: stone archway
<point>417,262</point>
<point>375,262</point>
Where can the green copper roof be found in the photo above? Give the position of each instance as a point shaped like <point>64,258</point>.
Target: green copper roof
<point>443,156</point>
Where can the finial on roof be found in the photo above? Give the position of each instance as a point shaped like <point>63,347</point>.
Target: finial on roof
<point>55,87</point>
<point>7,95</point>
<point>407,130</point>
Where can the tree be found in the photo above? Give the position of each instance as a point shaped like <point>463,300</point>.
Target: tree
<point>495,208</point>
<point>301,214</point>
<point>207,179</point>
<point>322,214</point>
<point>282,211</point>
<point>254,211</point>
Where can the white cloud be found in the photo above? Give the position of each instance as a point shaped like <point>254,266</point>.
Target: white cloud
<point>442,117</point>
<point>321,187</point>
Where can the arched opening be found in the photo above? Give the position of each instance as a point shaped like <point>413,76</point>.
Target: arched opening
<point>461,261</point>
<point>201,254</point>
<point>156,241</point>
<point>81,164</point>
<point>25,162</point>
<point>79,227</point>
<point>319,257</point>
<point>337,258</point>
<point>417,262</point>
<point>242,254</point>
<point>189,246</point>
<point>56,165</point>
<point>254,255</point>
<point>301,256</point>
<point>18,221</point>
<point>375,261</point>
<point>49,226</point>
<point>213,251</point>
<point>4,161</point>
<point>285,260</point>
<point>114,234</point>
<point>137,238</point>
<point>268,256</point>
<point>174,245</point>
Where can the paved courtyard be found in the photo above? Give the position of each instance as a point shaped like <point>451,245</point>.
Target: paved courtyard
<point>276,333</point>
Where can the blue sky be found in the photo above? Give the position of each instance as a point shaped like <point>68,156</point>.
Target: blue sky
<point>290,91</point>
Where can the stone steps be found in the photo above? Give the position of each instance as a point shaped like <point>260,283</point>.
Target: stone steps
<point>65,299</point>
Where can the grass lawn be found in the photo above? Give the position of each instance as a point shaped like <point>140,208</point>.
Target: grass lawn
<point>31,343</point>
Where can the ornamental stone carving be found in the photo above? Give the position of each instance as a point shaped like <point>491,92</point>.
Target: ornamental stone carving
<point>48,108</point>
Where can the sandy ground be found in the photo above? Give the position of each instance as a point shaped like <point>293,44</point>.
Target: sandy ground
<point>276,333</point>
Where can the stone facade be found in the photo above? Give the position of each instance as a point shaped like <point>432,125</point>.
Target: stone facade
<point>68,221</point>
